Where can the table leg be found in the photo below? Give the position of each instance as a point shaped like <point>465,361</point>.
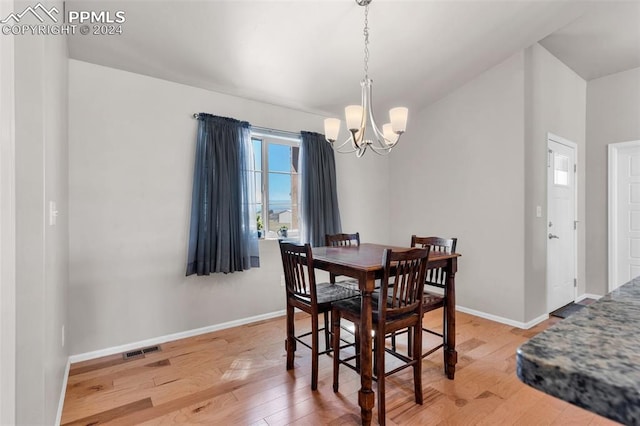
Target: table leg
<point>450,354</point>
<point>365,395</point>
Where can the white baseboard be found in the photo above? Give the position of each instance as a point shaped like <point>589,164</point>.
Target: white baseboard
<point>523,325</point>
<point>169,337</point>
<point>502,320</point>
<point>63,393</point>
<point>587,296</point>
<point>535,321</point>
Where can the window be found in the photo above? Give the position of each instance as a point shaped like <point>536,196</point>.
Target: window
<point>275,169</point>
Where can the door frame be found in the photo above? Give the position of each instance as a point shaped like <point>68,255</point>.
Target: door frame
<point>7,226</point>
<point>562,141</point>
<point>612,173</point>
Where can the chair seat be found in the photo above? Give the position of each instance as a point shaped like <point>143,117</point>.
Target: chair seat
<point>353,307</point>
<point>328,293</point>
<point>351,284</point>
<point>354,285</point>
<point>431,301</point>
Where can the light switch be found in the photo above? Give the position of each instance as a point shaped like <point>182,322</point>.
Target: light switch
<point>538,211</point>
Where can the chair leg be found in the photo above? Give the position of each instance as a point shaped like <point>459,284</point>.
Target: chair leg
<point>409,341</point>
<point>314,351</point>
<point>290,343</point>
<point>327,334</point>
<point>379,371</point>
<point>444,335</point>
<point>393,341</point>
<point>375,355</point>
<point>417,367</point>
<point>356,328</point>
<point>335,320</point>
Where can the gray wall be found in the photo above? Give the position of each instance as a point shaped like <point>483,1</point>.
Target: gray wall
<point>41,250</point>
<point>613,115</point>
<point>459,172</point>
<point>131,159</point>
<point>474,166</point>
<point>555,103</point>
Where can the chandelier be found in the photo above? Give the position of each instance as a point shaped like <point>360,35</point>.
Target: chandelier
<point>381,141</point>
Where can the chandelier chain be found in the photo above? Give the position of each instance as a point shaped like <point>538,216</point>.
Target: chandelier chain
<point>366,42</point>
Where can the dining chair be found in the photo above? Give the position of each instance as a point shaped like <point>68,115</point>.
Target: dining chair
<point>398,306</point>
<point>304,293</point>
<point>436,279</point>
<point>342,240</point>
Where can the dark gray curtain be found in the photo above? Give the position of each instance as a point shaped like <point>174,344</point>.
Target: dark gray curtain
<point>222,235</point>
<point>319,207</point>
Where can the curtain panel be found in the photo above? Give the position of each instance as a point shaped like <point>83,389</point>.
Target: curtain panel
<point>222,234</point>
<point>319,206</point>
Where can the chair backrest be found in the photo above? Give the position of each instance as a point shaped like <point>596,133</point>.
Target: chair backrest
<point>299,274</point>
<point>342,240</point>
<point>338,240</point>
<point>405,270</point>
<point>436,276</point>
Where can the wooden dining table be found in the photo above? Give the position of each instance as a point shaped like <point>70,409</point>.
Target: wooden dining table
<point>364,263</point>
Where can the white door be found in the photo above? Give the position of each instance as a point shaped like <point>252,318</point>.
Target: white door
<point>626,211</point>
<point>561,222</point>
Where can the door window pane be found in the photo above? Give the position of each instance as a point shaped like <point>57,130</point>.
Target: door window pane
<point>560,169</point>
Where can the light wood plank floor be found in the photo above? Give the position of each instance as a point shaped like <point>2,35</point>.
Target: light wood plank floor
<point>238,376</point>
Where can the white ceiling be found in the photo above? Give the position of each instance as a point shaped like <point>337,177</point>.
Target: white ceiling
<point>605,40</point>
<point>308,54</point>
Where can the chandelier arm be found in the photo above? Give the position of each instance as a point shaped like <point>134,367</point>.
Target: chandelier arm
<point>397,140</point>
<point>380,151</point>
<point>379,136</point>
<point>385,149</point>
<point>381,140</point>
<point>355,139</point>
<point>360,141</point>
<point>343,150</point>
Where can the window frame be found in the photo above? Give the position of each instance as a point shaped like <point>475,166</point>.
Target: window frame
<point>267,139</point>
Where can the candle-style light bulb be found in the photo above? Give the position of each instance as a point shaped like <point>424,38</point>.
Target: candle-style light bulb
<point>353,114</point>
<point>398,118</point>
<point>331,129</point>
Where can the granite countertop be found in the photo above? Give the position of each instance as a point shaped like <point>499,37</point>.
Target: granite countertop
<point>592,358</point>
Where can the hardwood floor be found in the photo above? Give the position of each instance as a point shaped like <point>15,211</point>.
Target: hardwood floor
<point>238,376</point>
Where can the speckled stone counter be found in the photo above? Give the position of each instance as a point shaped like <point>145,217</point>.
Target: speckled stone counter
<point>592,358</point>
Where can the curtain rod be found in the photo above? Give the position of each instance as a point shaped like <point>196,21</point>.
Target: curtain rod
<point>268,130</point>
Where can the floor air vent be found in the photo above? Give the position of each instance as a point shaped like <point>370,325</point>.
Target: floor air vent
<point>151,349</point>
<point>140,352</point>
